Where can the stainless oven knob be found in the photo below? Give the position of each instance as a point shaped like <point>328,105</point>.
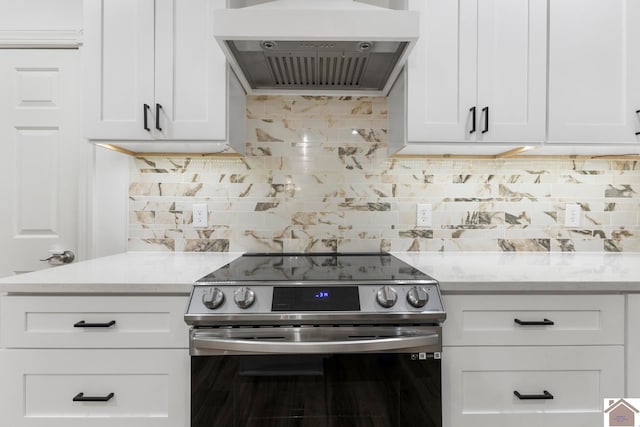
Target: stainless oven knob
<point>417,296</point>
<point>212,298</point>
<point>244,297</point>
<point>387,296</point>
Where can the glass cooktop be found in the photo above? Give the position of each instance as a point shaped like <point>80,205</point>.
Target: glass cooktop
<point>301,267</point>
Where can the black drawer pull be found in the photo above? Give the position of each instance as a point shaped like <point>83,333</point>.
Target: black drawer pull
<point>485,110</point>
<point>473,119</point>
<point>146,122</point>
<point>80,397</point>
<point>545,322</point>
<point>545,396</point>
<point>158,108</point>
<point>83,324</point>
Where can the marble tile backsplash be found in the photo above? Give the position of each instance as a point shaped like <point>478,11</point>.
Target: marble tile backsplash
<point>316,178</point>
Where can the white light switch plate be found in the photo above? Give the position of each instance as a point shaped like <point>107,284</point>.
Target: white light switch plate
<point>200,215</point>
<point>572,215</point>
<point>423,215</point>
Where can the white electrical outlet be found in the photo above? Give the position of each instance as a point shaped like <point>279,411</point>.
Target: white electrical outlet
<point>200,215</point>
<point>572,215</point>
<point>423,215</point>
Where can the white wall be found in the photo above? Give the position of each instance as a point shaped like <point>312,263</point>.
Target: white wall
<point>40,14</point>
<point>110,202</point>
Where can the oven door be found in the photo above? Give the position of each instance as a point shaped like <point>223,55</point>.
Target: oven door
<point>316,376</point>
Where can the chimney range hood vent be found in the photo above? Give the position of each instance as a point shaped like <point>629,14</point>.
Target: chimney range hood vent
<point>316,47</point>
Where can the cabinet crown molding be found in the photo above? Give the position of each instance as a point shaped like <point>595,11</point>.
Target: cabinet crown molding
<point>33,39</point>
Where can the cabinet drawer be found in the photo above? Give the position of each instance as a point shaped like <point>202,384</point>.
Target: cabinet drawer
<point>93,322</point>
<point>491,320</point>
<point>479,383</point>
<point>150,388</point>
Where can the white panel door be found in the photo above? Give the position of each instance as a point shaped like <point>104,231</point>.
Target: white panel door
<point>190,72</point>
<point>594,69</point>
<point>512,68</point>
<point>442,72</point>
<point>119,79</point>
<point>41,145</point>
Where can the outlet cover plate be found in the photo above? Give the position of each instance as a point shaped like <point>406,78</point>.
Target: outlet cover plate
<point>200,214</point>
<point>572,215</point>
<point>423,215</point>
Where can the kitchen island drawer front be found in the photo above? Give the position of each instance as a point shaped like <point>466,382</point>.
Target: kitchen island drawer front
<point>138,388</point>
<point>479,383</point>
<point>534,320</point>
<point>93,322</point>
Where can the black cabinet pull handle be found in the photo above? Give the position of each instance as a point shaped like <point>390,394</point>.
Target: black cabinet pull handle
<point>146,122</point>
<point>83,324</point>
<point>544,396</point>
<point>80,397</point>
<point>473,119</point>
<point>544,322</point>
<point>158,108</point>
<point>485,110</point>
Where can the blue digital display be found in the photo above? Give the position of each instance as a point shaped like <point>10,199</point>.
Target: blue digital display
<point>321,295</point>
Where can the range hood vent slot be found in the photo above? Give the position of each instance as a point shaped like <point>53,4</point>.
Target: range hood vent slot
<point>291,70</point>
<point>320,66</point>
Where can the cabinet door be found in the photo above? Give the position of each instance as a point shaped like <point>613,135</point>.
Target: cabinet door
<point>633,346</point>
<point>442,72</point>
<point>512,61</point>
<point>190,72</point>
<point>594,64</point>
<point>119,51</point>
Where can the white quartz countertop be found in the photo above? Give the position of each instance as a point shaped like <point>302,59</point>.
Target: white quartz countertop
<point>162,272</point>
<point>158,272</point>
<point>529,271</point>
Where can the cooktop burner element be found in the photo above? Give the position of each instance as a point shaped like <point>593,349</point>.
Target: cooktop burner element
<point>315,289</point>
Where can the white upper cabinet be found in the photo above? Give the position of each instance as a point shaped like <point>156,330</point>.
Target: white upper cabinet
<point>482,60</point>
<point>154,71</point>
<point>594,71</point>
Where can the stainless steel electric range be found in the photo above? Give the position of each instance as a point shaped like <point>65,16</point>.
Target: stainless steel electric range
<point>316,340</point>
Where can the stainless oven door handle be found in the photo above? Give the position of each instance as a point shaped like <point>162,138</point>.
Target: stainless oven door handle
<point>264,346</point>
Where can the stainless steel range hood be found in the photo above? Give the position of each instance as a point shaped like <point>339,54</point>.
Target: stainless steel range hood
<point>316,47</point>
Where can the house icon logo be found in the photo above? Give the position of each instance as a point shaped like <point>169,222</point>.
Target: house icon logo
<point>620,412</point>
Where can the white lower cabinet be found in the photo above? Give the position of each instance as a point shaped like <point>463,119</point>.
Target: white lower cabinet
<point>563,354</point>
<point>140,388</point>
<point>93,361</point>
<point>479,385</point>
<point>633,346</point>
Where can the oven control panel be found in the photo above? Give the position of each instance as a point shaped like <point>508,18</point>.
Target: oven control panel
<point>215,298</point>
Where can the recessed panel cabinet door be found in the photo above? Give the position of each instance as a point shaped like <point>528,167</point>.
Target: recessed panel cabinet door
<point>478,71</point>
<point>442,72</point>
<point>512,55</point>
<point>190,85</point>
<point>594,71</point>
<point>119,52</point>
